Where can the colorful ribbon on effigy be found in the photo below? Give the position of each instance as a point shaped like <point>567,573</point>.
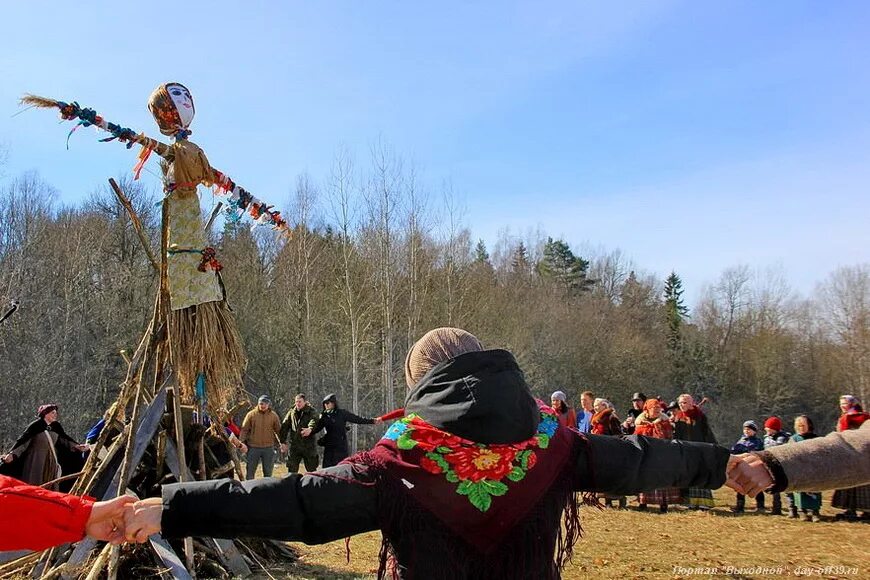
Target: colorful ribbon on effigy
<point>240,201</point>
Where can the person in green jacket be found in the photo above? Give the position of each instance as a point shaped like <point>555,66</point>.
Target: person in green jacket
<point>299,445</point>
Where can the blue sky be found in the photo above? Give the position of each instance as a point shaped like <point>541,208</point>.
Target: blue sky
<point>692,135</point>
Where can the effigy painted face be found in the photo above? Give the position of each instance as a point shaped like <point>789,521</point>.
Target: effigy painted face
<point>172,107</point>
<point>183,103</point>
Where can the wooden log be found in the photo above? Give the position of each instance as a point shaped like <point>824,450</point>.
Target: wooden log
<point>168,556</point>
<point>147,428</point>
<point>232,558</point>
<point>97,566</point>
<point>137,225</point>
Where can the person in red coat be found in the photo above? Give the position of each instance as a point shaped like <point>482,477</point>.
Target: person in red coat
<point>854,499</point>
<point>33,518</point>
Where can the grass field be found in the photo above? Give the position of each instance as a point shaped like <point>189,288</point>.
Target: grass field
<point>633,544</point>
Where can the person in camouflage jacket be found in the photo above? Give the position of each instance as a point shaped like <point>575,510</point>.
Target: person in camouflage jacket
<point>296,438</point>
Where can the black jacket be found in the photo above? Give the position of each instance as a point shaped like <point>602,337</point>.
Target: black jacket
<point>481,396</point>
<point>335,423</point>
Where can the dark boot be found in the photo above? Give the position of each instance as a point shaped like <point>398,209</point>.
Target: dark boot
<point>741,504</point>
<point>663,508</point>
<point>777,504</point>
<point>793,512</point>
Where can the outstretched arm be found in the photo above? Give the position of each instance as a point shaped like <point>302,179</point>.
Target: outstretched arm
<point>836,461</point>
<point>36,518</point>
<point>313,508</point>
<point>632,464</point>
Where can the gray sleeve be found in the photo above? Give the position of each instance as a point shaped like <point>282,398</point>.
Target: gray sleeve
<point>836,461</point>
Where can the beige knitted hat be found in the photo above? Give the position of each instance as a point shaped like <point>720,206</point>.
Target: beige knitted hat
<point>435,347</point>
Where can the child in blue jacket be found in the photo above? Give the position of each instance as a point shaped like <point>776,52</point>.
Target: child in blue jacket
<point>746,444</point>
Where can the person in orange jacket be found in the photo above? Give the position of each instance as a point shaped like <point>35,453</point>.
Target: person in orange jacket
<point>33,518</point>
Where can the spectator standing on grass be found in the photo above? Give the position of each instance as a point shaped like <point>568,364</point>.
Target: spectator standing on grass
<point>748,443</point>
<point>605,422</point>
<point>296,438</point>
<point>808,502</point>
<point>690,424</point>
<point>854,499</point>
<point>334,420</point>
<point>44,452</point>
<point>567,416</point>
<point>259,434</point>
<point>774,436</point>
<point>585,412</point>
<point>652,422</point>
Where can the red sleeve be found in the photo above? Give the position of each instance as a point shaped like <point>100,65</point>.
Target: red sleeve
<point>843,423</point>
<point>397,414</point>
<point>32,518</point>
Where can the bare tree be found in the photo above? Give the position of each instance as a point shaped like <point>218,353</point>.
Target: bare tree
<point>845,298</point>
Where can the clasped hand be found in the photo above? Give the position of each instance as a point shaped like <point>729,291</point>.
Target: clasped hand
<point>747,474</point>
<point>124,519</point>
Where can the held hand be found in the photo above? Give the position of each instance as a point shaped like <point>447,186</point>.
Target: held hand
<point>306,432</point>
<point>284,448</point>
<point>747,474</point>
<point>106,522</point>
<point>378,420</point>
<point>82,447</point>
<point>8,458</point>
<point>244,448</point>
<point>143,519</point>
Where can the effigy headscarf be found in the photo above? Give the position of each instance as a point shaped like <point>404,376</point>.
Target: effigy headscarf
<point>173,109</point>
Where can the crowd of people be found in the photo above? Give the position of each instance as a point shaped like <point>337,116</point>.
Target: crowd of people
<point>476,478</point>
<point>685,420</point>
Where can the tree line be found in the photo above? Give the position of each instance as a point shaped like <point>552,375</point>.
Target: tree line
<point>376,258</point>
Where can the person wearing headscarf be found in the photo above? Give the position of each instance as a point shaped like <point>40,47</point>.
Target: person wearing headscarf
<point>472,482</point>
<point>652,422</point>
<point>44,452</point>
<point>567,416</point>
<point>690,424</point>
<point>854,499</point>
<point>808,503</point>
<point>605,421</point>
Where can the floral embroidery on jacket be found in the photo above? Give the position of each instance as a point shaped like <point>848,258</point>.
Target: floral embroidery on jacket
<point>478,469</point>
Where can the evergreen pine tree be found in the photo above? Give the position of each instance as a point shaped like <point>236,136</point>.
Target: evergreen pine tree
<point>520,261</point>
<point>559,263</point>
<point>480,253</point>
<point>675,313</point>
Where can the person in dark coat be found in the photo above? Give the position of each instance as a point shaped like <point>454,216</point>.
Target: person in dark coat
<point>334,420</point>
<point>44,452</point>
<point>472,483</point>
<point>296,438</point>
<point>637,402</point>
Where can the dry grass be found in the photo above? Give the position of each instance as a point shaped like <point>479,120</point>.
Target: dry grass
<point>632,544</point>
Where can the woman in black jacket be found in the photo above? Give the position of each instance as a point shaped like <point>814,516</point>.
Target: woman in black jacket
<point>472,483</point>
<point>334,420</point>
